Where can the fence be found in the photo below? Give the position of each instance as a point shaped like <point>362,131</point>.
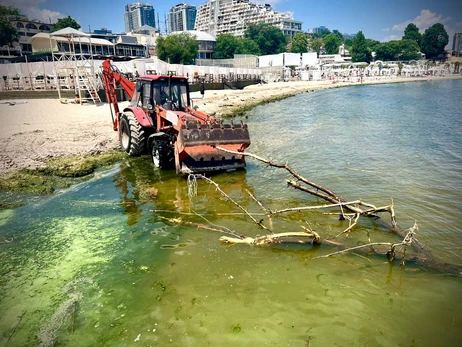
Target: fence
<point>42,75</point>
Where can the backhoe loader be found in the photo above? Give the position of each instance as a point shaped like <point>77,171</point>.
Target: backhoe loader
<point>161,121</point>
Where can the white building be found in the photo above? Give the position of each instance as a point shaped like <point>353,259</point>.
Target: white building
<point>233,16</point>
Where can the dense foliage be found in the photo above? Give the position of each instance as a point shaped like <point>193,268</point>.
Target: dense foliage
<point>270,40</point>
<point>360,52</point>
<point>178,48</point>
<point>398,50</point>
<point>8,33</point>
<point>299,43</point>
<point>434,40</point>
<point>247,46</point>
<point>316,45</point>
<point>66,23</point>
<point>332,42</point>
<point>412,33</point>
<point>226,46</point>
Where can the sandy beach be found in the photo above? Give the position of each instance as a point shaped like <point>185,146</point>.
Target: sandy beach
<point>35,130</point>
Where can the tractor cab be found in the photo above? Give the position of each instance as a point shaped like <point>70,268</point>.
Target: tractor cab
<point>168,92</point>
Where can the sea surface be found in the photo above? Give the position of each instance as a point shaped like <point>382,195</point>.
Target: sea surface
<point>129,258</point>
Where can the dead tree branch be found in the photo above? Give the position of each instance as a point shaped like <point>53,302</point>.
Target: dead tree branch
<point>274,238</point>
<point>259,223</point>
<point>407,241</point>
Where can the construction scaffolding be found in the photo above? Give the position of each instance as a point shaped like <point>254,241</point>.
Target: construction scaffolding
<point>74,65</point>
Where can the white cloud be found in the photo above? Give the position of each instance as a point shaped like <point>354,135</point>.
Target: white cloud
<point>32,10</point>
<point>423,21</point>
<point>386,29</point>
<point>391,38</point>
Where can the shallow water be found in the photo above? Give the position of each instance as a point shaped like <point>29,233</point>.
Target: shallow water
<point>98,264</point>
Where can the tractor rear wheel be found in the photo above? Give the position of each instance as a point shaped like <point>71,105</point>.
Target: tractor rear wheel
<point>162,154</point>
<point>132,135</point>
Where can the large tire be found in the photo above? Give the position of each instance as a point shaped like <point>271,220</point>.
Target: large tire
<point>162,154</point>
<point>132,135</point>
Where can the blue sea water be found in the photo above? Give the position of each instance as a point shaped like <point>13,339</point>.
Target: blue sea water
<point>115,261</point>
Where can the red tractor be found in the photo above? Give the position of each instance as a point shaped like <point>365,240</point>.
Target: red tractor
<point>160,120</point>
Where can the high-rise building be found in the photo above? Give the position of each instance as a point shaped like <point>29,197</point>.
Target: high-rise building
<point>181,17</point>
<point>138,14</point>
<point>457,42</point>
<point>233,16</point>
<point>319,30</point>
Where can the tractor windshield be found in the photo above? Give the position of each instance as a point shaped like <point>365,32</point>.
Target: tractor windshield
<point>179,97</point>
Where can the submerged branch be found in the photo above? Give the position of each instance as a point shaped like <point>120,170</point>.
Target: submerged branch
<point>273,238</point>
<point>259,223</point>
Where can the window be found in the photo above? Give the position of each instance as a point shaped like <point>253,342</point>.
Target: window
<point>44,27</point>
<point>147,94</point>
<point>19,25</point>
<point>31,26</point>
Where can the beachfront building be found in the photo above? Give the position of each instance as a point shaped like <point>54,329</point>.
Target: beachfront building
<point>138,14</point>
<point>181,17</point>
<point>205,41</point>
<point>233,16</point>
<point>26,30</point>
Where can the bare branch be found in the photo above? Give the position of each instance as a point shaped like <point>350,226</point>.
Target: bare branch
<point>259,223</point>
<point>267,210</point>
<point>273,238</point>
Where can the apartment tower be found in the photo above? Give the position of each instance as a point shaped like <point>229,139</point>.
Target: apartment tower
<point>457,42</point>
<point>181,17</point>
<point>138,14</point>
<point>233,16</point>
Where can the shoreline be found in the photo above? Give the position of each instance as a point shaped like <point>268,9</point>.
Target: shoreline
<point>221,103</point>
<point>34,131</point>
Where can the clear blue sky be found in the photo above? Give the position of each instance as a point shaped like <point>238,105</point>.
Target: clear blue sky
<point>379,20</point>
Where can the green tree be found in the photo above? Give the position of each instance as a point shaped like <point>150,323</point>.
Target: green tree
<point>434,40</point>
<point>178,48</point>
<point>373,45</point>
<point>66,22</point>
<point>331,43</point>
<point>398,50</point>
<point>387,51</point>
<point>409,50</point>
<point>270,40</point>
<point>226,47</point>
<point>316,45</point>
<point>247,46</point>
<point>359,49</point>
<point>412,33</point>
<point>324,33</point>
<point>299,43</point>
<point>339,35</point>
<point>8,32</point>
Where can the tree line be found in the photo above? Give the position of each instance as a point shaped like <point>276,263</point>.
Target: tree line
<point>265,39</point>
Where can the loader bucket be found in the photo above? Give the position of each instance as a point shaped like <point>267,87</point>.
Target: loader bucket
<point>195,151</point>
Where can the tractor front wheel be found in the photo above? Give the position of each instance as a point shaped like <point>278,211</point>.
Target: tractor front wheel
<point>132,135</point>
<point>162,154</point>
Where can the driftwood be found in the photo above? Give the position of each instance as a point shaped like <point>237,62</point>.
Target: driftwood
<point>356,208</point>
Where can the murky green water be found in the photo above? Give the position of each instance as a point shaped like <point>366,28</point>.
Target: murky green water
<point>99,265</point>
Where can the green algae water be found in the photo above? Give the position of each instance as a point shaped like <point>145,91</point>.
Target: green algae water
<point>108,263</point>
